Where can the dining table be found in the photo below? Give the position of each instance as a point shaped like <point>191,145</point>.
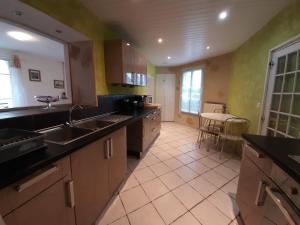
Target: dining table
<point>218,117</point>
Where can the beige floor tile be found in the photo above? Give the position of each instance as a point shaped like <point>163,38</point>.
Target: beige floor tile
<point>130,183</point>
<point>208,214</point>
<point>173,163</point>
<point>233,164</point>
<point>203,186</point>
<point>185,159</point>
<point>236,180</point>
<point>186,173</point>
<point>195,154</point>
<point>215,178</point>
<point>230,189</point>
<point>220,157</point>
<point>122,221</point>
<point>150,160</point>
<point>114,212</point>
<point>186,219</point>
<point>169,207</point>
<point>198,167</point>
<point>144,175</point>
<point>160,169</point>
<point>146,215</point>
<point>171,180</point>
<point>209,162</point>
<point>187,195</point>
<point>224,203</point>
<point>174,152</point>
<point>134,199</point>
<point>184,148</point>
<point>154,189</point>
<point>163,156</point>
<point>226,172</point>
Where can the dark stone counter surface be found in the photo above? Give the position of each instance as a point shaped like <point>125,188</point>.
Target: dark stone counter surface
<point>21,167</point>
<point>278,150</point>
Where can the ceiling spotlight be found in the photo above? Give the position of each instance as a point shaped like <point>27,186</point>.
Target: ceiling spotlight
<point>169,57</point>
<point>18,13</point>
<point>128,44</point>
<point>58,31</point>
<point>20,36</point>
<point>160,40</point>
<point>223,15</point>
<point>208,47</point>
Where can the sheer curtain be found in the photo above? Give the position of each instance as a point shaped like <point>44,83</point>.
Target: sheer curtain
<point>18,89</point>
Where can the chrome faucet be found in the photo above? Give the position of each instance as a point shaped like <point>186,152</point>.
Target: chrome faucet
<point>71,109</point>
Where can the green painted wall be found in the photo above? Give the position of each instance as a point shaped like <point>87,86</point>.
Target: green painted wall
<point>250,63</point>
<point>75,15</point>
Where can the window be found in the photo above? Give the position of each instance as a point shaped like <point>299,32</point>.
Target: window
<point>5,85</point>
<point>191,91</point>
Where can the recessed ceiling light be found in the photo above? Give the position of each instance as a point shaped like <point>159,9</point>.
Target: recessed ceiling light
<point>58,31</point>
<point>208,47</point>
<point>160,40</point>
<point>128,44</point>
<point>20,36</point>
<point>223,15</point>
<point>169,57</point>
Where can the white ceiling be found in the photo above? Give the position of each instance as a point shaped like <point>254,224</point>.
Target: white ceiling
<point>40,45</point>
<point>187,26</point>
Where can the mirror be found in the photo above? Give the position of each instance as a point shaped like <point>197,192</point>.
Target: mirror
<point>32,65</point>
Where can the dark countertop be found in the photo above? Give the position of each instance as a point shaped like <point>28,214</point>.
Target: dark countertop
<point>21,167</point>
<point>278,150</point>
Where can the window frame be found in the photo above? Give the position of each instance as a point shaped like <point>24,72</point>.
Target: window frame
<point>201,89</point>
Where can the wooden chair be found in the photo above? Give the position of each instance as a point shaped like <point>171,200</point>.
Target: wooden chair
<point>233,130</point>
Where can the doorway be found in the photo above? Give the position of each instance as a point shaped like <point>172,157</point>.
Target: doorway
<point>165,95</point>
<point>281,115</point>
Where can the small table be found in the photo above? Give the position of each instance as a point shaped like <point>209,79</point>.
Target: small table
<point>220,117</point>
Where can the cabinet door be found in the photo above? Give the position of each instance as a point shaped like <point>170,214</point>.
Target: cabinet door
<point>90,174</point>
<point>118,159</point>
<point>146,131</point>
<point>250,193</point>
<point>47,208</point>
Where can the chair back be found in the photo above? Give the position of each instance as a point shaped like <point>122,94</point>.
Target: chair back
<point>236,126</point>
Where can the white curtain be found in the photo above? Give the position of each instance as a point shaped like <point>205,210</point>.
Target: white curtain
<point>18,89</point>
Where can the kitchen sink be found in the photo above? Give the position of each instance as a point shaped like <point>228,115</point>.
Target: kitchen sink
<point>64,134</point>
<point>94,124</point>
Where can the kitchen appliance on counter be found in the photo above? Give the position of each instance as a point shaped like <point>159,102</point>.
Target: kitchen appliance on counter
<point>16,142</point>
<point>133,103</point>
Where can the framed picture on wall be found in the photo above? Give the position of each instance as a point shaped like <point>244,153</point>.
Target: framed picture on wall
<point>34,75</point>
<point>59,84</point>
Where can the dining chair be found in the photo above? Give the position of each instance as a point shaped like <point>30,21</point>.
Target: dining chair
<point>207,129</point>
<point>233,130</point>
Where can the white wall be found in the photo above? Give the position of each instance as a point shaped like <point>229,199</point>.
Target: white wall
<point>50,70</point>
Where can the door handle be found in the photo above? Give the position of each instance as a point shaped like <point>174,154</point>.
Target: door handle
<point>260,195</point>
<point>36,179</point>
<point>278,200</point>
<point>111,147</point>
<point>2,222</point>
<point>107,153</point>
<point>70,194</point>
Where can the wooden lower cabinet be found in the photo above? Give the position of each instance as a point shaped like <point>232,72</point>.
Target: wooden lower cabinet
<point>48,208</point>
<point>118,159</point>
<point>97,170</point>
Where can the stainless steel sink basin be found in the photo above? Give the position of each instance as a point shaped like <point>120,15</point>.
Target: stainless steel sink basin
<point>94,124</point>
<point>64,135</point>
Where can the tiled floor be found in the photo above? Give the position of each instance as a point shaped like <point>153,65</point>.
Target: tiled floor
<point>177,183</point>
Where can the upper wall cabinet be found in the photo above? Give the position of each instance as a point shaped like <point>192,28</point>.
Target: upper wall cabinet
<point>123,64</point>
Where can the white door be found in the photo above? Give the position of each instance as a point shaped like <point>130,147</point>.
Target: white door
<point>281,116</point>
<point>165,95</point>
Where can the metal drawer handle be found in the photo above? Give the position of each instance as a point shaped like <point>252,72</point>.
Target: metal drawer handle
<point>36,179</point>
<point>70,194</point>
<point>272,193</point>
<point>260,195</point>
<point>111,148</point>
<point>2,222</point>
<point>255,153</point>
<point>107,147</point>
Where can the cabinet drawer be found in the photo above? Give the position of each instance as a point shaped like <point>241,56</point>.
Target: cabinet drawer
<point>16,194</point>
<point>258,158</point>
